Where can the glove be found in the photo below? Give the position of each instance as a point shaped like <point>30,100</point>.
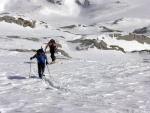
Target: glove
<point>31,58</point>
<point>47,63</point>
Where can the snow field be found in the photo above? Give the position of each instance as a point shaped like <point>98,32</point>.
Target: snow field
<point>91,85</point>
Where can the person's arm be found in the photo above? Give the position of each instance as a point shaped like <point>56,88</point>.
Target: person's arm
<point>46,46</point>
<point>56,47</point>
<point>33,57</point>
<point>46,58</point>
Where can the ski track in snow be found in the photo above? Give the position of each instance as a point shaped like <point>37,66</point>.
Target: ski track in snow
<point>80,86</point>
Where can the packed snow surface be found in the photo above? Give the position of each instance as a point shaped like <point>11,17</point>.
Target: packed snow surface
<point>106,82</point>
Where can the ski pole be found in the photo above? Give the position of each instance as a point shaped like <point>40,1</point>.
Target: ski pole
<point>30,68</point>
<point>47,67</point>
<point>48,71</point>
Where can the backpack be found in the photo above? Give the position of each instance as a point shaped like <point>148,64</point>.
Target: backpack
<point>40,50</point>
<point>40,58</point>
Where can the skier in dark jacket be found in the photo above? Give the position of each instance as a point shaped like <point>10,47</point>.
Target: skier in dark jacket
<point>53,48</point>
<point>41,57</point>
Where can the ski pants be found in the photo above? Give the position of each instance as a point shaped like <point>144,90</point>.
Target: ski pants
<point>41,69</point>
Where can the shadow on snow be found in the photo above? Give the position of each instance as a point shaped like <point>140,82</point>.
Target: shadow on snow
<point>16,77</point>
<point>29,62</point>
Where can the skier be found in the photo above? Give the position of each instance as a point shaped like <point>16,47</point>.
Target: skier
<point>40,56</point>
<point>53,48</point>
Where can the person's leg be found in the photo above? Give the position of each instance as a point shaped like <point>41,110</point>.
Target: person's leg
<point>53,58</point>
<point>39,70</point>
<point>43,68</point>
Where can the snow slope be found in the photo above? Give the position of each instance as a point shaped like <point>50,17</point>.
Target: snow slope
<point>85,85</point>
<point>100,13</point>
<point>99,10</point>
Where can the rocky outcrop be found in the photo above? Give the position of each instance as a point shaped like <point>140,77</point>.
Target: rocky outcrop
<point>103,45</point>
<point>118,2</point>
<point>117,21</point>
<point>69,27</point>
<point>115,35</point>
<point>91,43</point>
<point>32,39</point>
<point>141,30</point>
<point>59,2</point>
<point>105,29</point>
<point>139,38</point>
<point>131,37</point>
<point>23,50</point>
<point>19,21</point>
<point>141,51</point>
<point>85,4</point>
<point>59,45</point>
<point>8,19</point>
<point>63,53</point>
<point>78,2</point>
<point>115,47</point>
<point>52,1</point>
<point>4,13</point>
<point>16,37</point>
<point>1,19</point>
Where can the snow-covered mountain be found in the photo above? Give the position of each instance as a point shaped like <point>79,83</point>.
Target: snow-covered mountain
<point>96,72</point>
<point>87,16</point>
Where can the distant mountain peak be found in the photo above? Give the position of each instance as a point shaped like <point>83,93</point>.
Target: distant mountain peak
<point>60,2</point>
<point>84,4</point>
